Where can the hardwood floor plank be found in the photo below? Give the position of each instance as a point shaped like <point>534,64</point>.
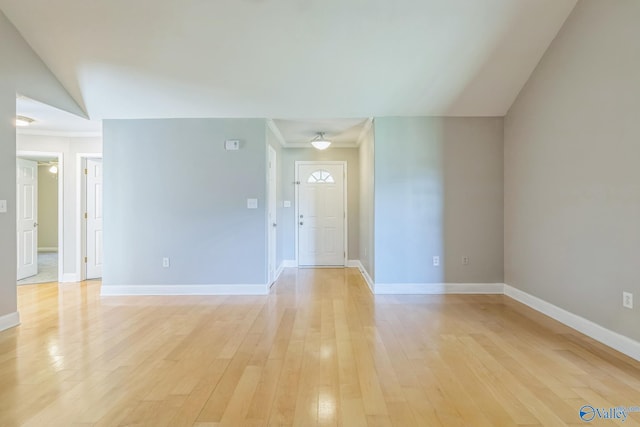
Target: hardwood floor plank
<point>319,350</point>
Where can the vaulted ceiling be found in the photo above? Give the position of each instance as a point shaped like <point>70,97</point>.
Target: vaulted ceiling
<point>290,58</point>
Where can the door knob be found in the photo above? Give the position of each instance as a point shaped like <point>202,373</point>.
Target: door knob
<point>301,223</point>
<point>274,224</point>
<point>35,224</point>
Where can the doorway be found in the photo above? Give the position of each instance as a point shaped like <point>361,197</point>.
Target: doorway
<point>92,218</point>
<point>321,217</point>
<point>272,213</point>
<point>39,217</point>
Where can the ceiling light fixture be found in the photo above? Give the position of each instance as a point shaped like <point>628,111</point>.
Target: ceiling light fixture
<point>320,142</point>
<point>53,169</point>
<point>23,121</point>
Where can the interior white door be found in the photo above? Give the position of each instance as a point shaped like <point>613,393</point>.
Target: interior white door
<point>272,208</point>
<point>94,219</point>
<point>27,214</point>
<point>321,215</point>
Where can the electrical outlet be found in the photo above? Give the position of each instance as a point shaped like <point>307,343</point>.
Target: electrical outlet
<point>627,300</point>
<point>165,262</point>
<point>465,260</point>
<point>436,261</point>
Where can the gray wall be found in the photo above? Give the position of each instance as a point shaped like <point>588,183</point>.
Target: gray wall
<point>366,159</point>
<point>22,72</point>
<point>8,262</point>
<point>350,155</point>
<point>438,191</point>
<point>47,208</point>
<point>572,180</point>
<point>172,190</point>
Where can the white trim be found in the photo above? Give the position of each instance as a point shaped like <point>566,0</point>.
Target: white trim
<point>599,333</point>
<point>67,134</point>
<point>437,288</point>
<point>345,202</point>
<point>48,249</point>
<point>115,290</point>
<point>364,131</point>
<point>9,320</point>
<point>69,278</point>
<point>276,132</point>
<point>278,273</point>
<point>353,263</point>
<point>367,278</point>
<point>289,263</point>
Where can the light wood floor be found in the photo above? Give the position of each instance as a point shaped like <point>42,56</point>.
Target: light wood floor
<point>319,350</point>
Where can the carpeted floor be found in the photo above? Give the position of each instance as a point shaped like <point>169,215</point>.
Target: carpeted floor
<point>47,269</point>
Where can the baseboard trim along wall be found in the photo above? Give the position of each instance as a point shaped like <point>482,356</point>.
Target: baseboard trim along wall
<point>69,278</point>
<point>621,343</point>
<point>289,263</point>
<point>278,273</point>
<point>599,333</point>
<point>221,289</point>
<point>48,249</point>
<point>437,288</point>
<point>9,320</point>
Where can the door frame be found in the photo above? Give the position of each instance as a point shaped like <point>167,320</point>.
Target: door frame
<point>81,203</point>
<point>299,163</point>
<point>272,234</point>
<point>60,157</point>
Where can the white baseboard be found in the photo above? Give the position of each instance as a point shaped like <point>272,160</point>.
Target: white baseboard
<point>48,249</point>
<point>9,320</point>
<point>599,333</point>
<point>69,278</point>
<point>278,273</point>
<point>437,288</point>
<point>289,263</point>
<point>366,276</point>
<point>240,289</point>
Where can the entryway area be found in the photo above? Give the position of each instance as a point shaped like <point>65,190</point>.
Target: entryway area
<point>321,213</point>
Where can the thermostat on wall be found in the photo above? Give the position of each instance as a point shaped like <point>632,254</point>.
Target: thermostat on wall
<point>232,144</point>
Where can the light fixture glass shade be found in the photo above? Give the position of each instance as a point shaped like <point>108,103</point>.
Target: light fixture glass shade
<point>22,121</point>
<point>321,144</point>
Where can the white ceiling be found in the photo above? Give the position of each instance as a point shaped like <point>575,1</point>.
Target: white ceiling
<point>342,133</point>
<point>52,121</point>
<point>289,58</point>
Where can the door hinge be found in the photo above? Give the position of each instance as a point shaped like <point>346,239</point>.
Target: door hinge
<point>86,171</point>
<point>85,260</point>
<point>85,215</point>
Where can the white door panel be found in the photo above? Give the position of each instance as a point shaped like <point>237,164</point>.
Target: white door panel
<point>321,215</point>
<point>272,212</point>
<point>27,214</point>
<point>94,219</point>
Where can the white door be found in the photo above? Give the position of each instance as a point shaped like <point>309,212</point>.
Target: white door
<point>27,214</point>
<point>321,214</point>
<point>94,218</point>
<point>272,208</point>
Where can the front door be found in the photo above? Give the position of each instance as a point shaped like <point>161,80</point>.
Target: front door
<point>27,214</point>
<point>94,218</point>
<point>321,214</point>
